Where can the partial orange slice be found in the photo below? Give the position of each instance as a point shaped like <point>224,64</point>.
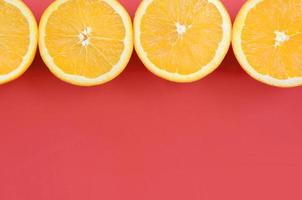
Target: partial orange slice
<point>18,39</point>
<point>182,41</point>
<point>86,42</point>
<point>267,40</point>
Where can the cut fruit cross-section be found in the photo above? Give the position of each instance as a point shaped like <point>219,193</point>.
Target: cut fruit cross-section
<point>267,40</point>
<point>86,42</point>
<point>182,40</point>
<point>18,39</point>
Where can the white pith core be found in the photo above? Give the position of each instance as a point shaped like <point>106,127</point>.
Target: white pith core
<point>280,38</point>
<point>84,36</point>
<point>181,28</point>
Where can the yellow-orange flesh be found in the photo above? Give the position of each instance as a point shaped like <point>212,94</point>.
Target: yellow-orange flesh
<point>272,38</point>
<point>181,36</point>
<point>85,38</point>
<point>14,37</point>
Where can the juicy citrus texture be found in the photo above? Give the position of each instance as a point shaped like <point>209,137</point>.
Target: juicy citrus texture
<point>179,39</point>
<point>18,39</point>
<point>185,50</point>
<point>90,41</point>
<point>267,40</point>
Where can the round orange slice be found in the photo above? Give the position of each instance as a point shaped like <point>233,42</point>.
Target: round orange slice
<point>18,39</point>
<point>267,38</point>
<point>86,43</point>
<point>182,41</point>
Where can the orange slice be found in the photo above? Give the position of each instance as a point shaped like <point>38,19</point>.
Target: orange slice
<point>18,39</point>
<point>182,41</point>
<point>267,41</point>
<point>86,42</point>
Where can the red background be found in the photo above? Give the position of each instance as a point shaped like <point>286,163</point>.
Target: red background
<point>142,138</point>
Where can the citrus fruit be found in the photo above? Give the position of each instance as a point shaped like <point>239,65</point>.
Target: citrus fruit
<point>267,38</point>
<point>86,42</point>
<point>18,39</point>
<point>182,40</point>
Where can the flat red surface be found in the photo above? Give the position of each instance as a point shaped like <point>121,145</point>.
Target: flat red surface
<point>142,138</point>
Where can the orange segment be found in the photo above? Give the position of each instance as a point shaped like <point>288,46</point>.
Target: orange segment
<point>267,38</point>
<point>86,42</point>
<point>18,39</point>
<point>182,40</point>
